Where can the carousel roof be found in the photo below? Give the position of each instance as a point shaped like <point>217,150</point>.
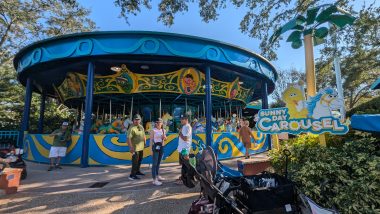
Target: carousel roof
<point>47,62</point>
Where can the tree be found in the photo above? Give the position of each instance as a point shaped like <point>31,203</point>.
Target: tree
<point>359,50</point>
<point>358,44</point>
<point>21,23</point>
<point>262,17</point>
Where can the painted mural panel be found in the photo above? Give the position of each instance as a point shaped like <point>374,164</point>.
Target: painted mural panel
<point>112,149</point>
<point>184,81</point>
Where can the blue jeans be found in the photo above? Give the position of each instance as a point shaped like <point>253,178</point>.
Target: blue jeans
<point>156,159</point>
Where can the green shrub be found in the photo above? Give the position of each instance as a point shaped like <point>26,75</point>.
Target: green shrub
<point>350,171</point>
<point>370,107</point>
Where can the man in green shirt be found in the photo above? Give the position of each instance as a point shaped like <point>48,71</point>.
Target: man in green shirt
<point>136,142</point>
<point>58,150</point>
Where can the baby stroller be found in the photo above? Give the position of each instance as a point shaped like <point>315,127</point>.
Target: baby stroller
<point>224,190</point>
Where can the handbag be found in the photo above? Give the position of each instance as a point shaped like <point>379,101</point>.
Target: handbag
<point>157,146</point>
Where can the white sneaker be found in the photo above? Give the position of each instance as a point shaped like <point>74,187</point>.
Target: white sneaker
<point>157,183</point>
<point>161,178</point>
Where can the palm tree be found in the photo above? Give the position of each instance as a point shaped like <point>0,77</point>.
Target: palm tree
<point>310,27</point>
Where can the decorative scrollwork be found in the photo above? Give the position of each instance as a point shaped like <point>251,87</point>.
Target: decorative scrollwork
<point>126,82</point>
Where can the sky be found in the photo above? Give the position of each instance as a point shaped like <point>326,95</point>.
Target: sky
<point>226,29</point>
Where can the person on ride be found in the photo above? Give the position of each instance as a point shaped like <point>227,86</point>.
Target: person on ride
<point>61,137</point>
<point>245,136</point>
<point>228,125</point>
<point>4,163</point>
<point>184,142</point>
<point>136,142</point>
<point>157,140</point>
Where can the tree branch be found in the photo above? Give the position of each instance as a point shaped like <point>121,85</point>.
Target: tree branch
<point>5,35</point>
<point>358,96</point>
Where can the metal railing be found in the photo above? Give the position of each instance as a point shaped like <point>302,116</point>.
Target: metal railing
<point>8,138</point>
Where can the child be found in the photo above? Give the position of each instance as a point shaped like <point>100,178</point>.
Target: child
<point>245,135</point>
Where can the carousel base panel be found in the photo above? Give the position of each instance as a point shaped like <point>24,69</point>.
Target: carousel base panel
<point>112,149</point>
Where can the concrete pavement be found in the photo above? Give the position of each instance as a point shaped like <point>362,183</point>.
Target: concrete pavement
<point>66,191</point>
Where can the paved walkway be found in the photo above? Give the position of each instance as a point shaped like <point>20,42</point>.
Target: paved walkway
<point>66,191</point>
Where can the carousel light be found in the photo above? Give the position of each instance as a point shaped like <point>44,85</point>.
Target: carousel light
<point>116,68</point>
<point>241,83</point>
<point>144,67</point>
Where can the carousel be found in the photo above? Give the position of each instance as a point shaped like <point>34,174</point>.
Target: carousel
<point>104,78</point>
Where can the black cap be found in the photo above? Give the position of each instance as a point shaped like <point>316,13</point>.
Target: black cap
<point>159,120</point>
<point>137,117</point>
<point>184,117</point>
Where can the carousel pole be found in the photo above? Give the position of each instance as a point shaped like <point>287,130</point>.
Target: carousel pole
<point>110,110</point>
<point>103,118</point>
<point>230,110</point>
<point>25,116</point>
<point>185,105</point>
<point>130,114</point>
<point>160,109</point>
<point>204,108</point>
<point>124,111</point>
<point>81,110</point>
<point>42,112</point>
<point>87,118</point>
<point>237,112</point>
<point>198,113</point>
<point>225,110</point>
<point>97,112</point>
<point>208,106</point>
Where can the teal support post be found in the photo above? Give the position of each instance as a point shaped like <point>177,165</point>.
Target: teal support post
<point>87,115</point>
<point>25,116</point>
<point>208,106</point>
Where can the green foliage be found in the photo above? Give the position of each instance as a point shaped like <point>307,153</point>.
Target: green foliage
<point>261,18</point>
<point>345,176</point>
<point>308,25</point>
<point>21,23</point>
<point>370,107</point>
<point>359,52</point>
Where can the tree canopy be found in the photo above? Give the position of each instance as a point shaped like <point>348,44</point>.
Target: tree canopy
<point>359,51</point>
<point>21,23</point>
<point>358,44</point>
<point>261,19</point>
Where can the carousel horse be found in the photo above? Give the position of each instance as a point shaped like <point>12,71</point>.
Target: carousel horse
<point>234,122</point>
<point>197,127</point>
<point>126,124</point>
<point>115,127</point>
<point>167,121</point>
<point>221,127</point>
<point>95,127</point>
<point>81,126</point>
<point>322,104</point>
<point>149,126</point>
<point>214,124</point>
<point>294,97</point>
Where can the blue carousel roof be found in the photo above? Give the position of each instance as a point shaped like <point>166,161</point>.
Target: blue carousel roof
<point>48,61</point>
<point>376,84</point>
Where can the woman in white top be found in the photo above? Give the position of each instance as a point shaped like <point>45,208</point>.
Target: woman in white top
<point>157,140</point>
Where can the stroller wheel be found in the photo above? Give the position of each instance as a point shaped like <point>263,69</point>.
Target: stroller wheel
<point>24,173</point>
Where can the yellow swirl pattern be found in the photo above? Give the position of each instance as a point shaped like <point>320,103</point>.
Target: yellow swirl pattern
<point>44,152</point>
